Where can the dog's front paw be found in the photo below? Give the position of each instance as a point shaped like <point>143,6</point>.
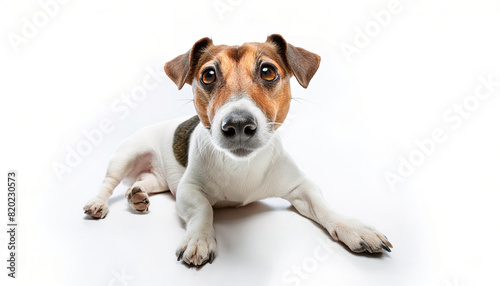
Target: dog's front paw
<point>197,249</point>
<point>96,208</point>
<point>138,199</point>
<point>361,238</point>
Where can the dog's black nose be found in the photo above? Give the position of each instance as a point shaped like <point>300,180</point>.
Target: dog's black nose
<point>239,126</point>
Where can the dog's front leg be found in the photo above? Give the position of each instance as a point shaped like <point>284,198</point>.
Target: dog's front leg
<point>308,200</point>
<point>198,245</point>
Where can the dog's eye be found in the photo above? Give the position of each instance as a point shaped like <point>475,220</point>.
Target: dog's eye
<point>268,72</point>
<point>208,76</point>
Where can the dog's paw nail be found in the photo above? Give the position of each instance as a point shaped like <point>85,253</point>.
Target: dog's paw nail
<point>384,246</point>
<point>197,250</point>
<point>211,257</point>
<point>359,250</point>
<point>180,255</point>
<point>366,246</point>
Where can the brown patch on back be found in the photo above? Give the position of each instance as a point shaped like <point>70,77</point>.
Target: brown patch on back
<point>182,137</point>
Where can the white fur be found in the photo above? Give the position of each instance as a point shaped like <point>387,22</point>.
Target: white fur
<point>216,178</point>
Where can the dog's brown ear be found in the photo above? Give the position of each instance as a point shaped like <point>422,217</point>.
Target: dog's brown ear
<point>180,70</point>
<point>301,62</point>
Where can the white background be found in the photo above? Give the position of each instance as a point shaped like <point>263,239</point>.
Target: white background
<point>358,117</point>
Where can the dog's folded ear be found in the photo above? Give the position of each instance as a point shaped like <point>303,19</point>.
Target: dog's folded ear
<point>301,62</point>
<point>180,70</point>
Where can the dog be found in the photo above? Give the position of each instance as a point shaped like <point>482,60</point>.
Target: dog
<point>229,154</point>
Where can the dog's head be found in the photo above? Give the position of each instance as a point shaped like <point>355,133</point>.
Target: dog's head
<point>242,93</point>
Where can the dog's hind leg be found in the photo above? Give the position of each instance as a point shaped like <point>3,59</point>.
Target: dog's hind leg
<point>137,195</point>
<point>124,164</point>
<point>117,170</point>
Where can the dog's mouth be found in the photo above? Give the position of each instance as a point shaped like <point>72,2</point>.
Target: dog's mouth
<point>241,152</point>
<point>239,148</point>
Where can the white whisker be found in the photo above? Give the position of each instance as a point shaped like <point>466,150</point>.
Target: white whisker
<point>301,100</point>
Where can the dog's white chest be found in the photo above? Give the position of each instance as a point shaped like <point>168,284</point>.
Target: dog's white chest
<point>238,184</point>
<point>229,182</point>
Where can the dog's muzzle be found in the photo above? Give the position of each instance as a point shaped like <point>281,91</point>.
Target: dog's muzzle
<point>241,129</point>
<point>238,128</point>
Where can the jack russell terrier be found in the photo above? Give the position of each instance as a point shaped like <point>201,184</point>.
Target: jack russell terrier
<point>228,155</point>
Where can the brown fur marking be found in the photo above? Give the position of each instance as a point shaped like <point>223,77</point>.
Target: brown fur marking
<point>238,73</point>
<point>181,139</point>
